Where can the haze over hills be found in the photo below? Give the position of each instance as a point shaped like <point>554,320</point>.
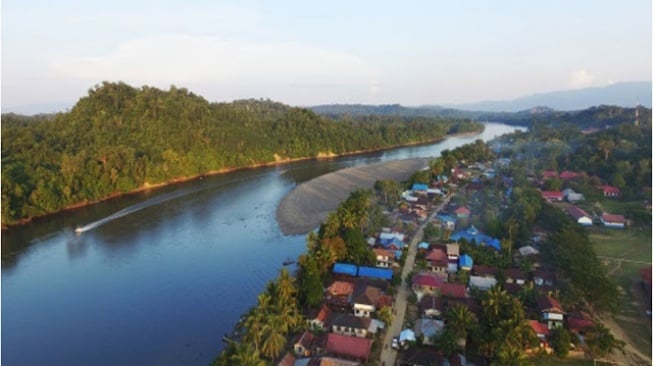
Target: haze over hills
<point>624,94</point>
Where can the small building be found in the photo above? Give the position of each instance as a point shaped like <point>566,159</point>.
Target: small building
<point>438,261</point>
<point>365,300</point>
<point>514,275</point>
<point>552,196</point>
<point>339,295</point>
<point>472,235</point>
<point>384,258</point>
<point>572,196</point>
<point>549,174</point>
<point>432,306</point>
<point>451,290</point>
<point>571,175</point>
<point>543,277</point>
<point>420,188</point>
<point>481,270</point>
<point>426,283</point>
<point>552,312</point>
<point>528,250</point>
<point>423,246</point>
<point>578,214</point>
<point>462,212</point>
<point>305,345</point>
<point>482,283</point>
<point>613,221</point>
<point>321,320</point>
<point>374,272</point>
<point>610,191</point>
<point>345,269</point>
<point>355,348</point>
<point>541,330</point>
<point>465,262</point>
<point>287,360</point>
<point>578,322</point>
<point>428,329</point>
<point>351,325</point>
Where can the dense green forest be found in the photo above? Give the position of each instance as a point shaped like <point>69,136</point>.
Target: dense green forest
<point>600,116</point>
<point>119,138</point>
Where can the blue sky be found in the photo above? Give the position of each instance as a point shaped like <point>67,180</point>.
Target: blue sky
<point>306,52</point>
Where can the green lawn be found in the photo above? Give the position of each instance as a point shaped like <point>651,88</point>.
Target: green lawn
<point>631,244</point>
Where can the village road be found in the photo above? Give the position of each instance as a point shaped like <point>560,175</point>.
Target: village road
<point>388,354</point>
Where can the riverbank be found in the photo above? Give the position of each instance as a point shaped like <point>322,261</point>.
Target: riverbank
<point>277,162</point>
<point>303,209</point>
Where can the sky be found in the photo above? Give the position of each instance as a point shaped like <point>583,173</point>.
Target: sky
<point>320,52</point>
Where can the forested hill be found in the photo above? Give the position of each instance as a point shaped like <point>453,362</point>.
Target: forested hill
<point>599,116</point>
<point>120,138</point>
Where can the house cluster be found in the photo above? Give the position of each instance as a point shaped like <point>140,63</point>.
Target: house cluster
<point>417,201</point>
<point>569,195</point>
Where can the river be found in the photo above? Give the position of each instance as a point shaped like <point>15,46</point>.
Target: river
<point>161,275</point>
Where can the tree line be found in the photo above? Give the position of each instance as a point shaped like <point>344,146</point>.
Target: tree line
<point>120,138</point>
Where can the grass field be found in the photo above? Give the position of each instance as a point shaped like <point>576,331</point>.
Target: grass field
<point>631,245</point>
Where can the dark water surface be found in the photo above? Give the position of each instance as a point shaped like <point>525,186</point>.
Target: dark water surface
<point>160,282</point>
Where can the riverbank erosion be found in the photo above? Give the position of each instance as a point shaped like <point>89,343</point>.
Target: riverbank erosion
<point>308,204</point>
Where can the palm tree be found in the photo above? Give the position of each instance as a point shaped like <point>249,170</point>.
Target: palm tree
<point>246,356</point>
<point>493,302</point>
<point>285,289</point>
<point>274,338</point>
<point>460,320</point>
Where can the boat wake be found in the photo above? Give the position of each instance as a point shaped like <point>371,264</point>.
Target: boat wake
<point>129,210</point>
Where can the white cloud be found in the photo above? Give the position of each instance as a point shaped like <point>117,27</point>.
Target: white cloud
<point>581,79</point>
<point>166,59</point>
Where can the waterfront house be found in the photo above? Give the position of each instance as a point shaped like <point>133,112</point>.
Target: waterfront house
<point>551,311</point>
<point>613,221</point>
<point>348,347</point>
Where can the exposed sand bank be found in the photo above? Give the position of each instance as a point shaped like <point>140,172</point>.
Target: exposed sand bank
<point>306,206</point>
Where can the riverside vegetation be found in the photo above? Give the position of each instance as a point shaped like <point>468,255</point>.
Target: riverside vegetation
<point>119,139</point>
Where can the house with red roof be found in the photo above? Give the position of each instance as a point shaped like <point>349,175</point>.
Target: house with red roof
<point>348,347</point>
<point>541,331</point>
<point>569,175</point>
<point>426,283</point>
<point>549,174</point>
<point>610,191</point>
<point>462,212</point>
<point>287,360</point>
<point>613,221</point>
<point>552,312</point>
<point>339,295</point>
<point>453,290</point>
<point>553,196</point>
<point>579,321</point>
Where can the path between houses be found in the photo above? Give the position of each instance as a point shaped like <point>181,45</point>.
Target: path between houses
<point>388,354</point>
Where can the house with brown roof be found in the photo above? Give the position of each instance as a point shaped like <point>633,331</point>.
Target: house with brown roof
<point>485,271</point>
<point>552,312</point>
<point>432,306</point>
<point>437,260</point>
<point>426,283</point>
<point>514,275</point>
<point>544,277</point>
<point>453,290</point>
<point>339,294</point>
<point>307,344</point>
<point>385,258</point>
<point>366,300</point>
<point>613,221</point>
<point>350,325</point>
<point>321,319</point>
<point>348,347</point>
<point>287,360</point>
<point>578,214</point>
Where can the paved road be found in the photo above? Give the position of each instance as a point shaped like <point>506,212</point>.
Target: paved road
<point>389,355</point>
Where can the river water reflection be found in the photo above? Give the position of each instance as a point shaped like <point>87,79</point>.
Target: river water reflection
<point>162,283</point>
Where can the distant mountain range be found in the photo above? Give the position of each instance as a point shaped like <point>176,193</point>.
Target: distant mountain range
<point>625,94</point>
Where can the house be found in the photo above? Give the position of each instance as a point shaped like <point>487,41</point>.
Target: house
<point>549,174</point>
<point>482,283</point>
<point>472,235</point>
<point>384,258</point>
<point>610,191</point>
<point>578,322</point>
<point>482,270</point>
<point>350,325</point>
<point>448,222</point>
<point>613,221</point>
<point>527,251</point>
<point>306,344</point>
<point>569,175</point>
<point>339,295</point>
<point>552,196</point>
<point>426,283</point>
<point>287,360</point>
<point>416,356</point>
<point>366,300</point>
<point>541,330</point>
<point>514,275</point>
<point>432,306</point>
<point>465,262</point>
<point>345,269</point>
<point>552,312</point>
<point>348,347</point>
<point>572,196</point>
<point>428,329</point>
<point>419,188</point>
<point>321,319</point>
<point>423,246</point>
<point>407,335</point>
<point>453,290</point>
<point>578,214</point>
<point>462,212</point>
<point>330,361</point>
<point>393,244</point>
<point>453,251</point>
<point>543,277</point>
<point>438,261</point>
<point>375,273</point>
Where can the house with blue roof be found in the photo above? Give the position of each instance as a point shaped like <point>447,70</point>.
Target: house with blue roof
<point>419,187</point>
<point>394,243</point>
<point>472,235</point>
<point>465,262</point>
<point>374,272</point>
<point>345,269</point>
<point>423,245</point>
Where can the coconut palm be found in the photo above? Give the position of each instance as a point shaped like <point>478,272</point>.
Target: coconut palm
<point>246,356</point>
<point>460,320</point>
<point>274,338</point>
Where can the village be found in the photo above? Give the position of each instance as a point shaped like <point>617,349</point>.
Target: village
<point>437,274</point>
